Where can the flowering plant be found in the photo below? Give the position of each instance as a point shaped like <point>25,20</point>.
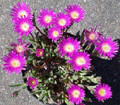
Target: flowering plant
<point>56,65</point>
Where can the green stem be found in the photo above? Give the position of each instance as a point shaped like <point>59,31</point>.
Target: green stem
<point>68,29</point>
<point>39,30</point>
<point>32,36</point>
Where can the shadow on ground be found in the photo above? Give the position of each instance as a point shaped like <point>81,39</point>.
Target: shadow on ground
<point>110,73</point>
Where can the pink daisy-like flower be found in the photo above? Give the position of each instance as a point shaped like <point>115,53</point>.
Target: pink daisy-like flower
<point>39,52</point>
<point>62,20</point>
<point>92,36</point>
<point>54,33</point>
<point>32,82</point>
<point>23,26</point>
<point>103,92</point>
<point>46,17</point>
<point>20,47</point>
<point>14,62</point>
<point>75,12</point>
<point>68,46</point>
<point>106,47</point>
<point>21,11</point>
<point>79,61</point>
<point>76,94</point>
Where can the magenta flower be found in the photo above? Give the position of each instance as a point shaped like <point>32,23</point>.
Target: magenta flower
<point>46,17</point>
<point>20,47</point>
<point>54,33</point>
<point>21,11</point>
<point>76,94</point>
<point>79,61</point>
<point>82,104</point>
<point>62,20</point>
<point>32,82</point>
<point>14,62</point>
<point>106,47</point>
<point>23,27</point>
<point>68,46</point>
<point>39,52</point>
<point>92,36</point>
<point>75,12</point>
<point>103,92</point>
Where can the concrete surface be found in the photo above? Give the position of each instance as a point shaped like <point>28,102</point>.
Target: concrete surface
<point>105,13</point>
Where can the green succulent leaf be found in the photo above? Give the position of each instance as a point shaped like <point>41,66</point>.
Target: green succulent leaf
<point>91,87</point>
<point>49,93</point>
<point>43,45</point>
<point>45,99</point>
<point>67,102</point>
<point>17,85</point>
<point>37,91</point>
<point>87,99</point>
<point>40,97</point>
<point>75,77</point>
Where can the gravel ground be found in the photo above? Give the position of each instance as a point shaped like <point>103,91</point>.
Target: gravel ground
<point>105,13</point>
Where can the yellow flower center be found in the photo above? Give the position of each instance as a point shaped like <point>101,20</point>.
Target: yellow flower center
<point>15,63</point>
<point>106,48</point>
<point>55,33</point>
<point>19,48</point>
<point>80,61</point>
<point>62,22</point>
<point>48,19</point>
<point>92,36</point>
<point>25,26</point>
<point>40,53</point>
<point>22,14</point>
<point>76,93</point>
<point>33,82</point>
<point>74,15</point>
<point>102,92</point>
<point>69,48</point>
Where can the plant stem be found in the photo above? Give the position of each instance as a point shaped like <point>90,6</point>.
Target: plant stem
<point>68,29</point>
<point>32,36</point>
<point>66,33</point>
<point>39,30</point>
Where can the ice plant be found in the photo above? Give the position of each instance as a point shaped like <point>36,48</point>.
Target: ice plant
<point>76,94</point>
<point>92,36</point>
<point>23,27</point>
<point>62,20</point>
<point>54,33</point>
<point>75,12</point>
<point>106,47</point>
<point>79,61</point>
<point>14,62</point>
<point>103,92</point>
<point>39,52</point>
<point>32,82</point>
<point>20,47</point>
<point>46,17</point>
<point>68,46</point>
<point>21,11</point>
<point>56,65</point>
